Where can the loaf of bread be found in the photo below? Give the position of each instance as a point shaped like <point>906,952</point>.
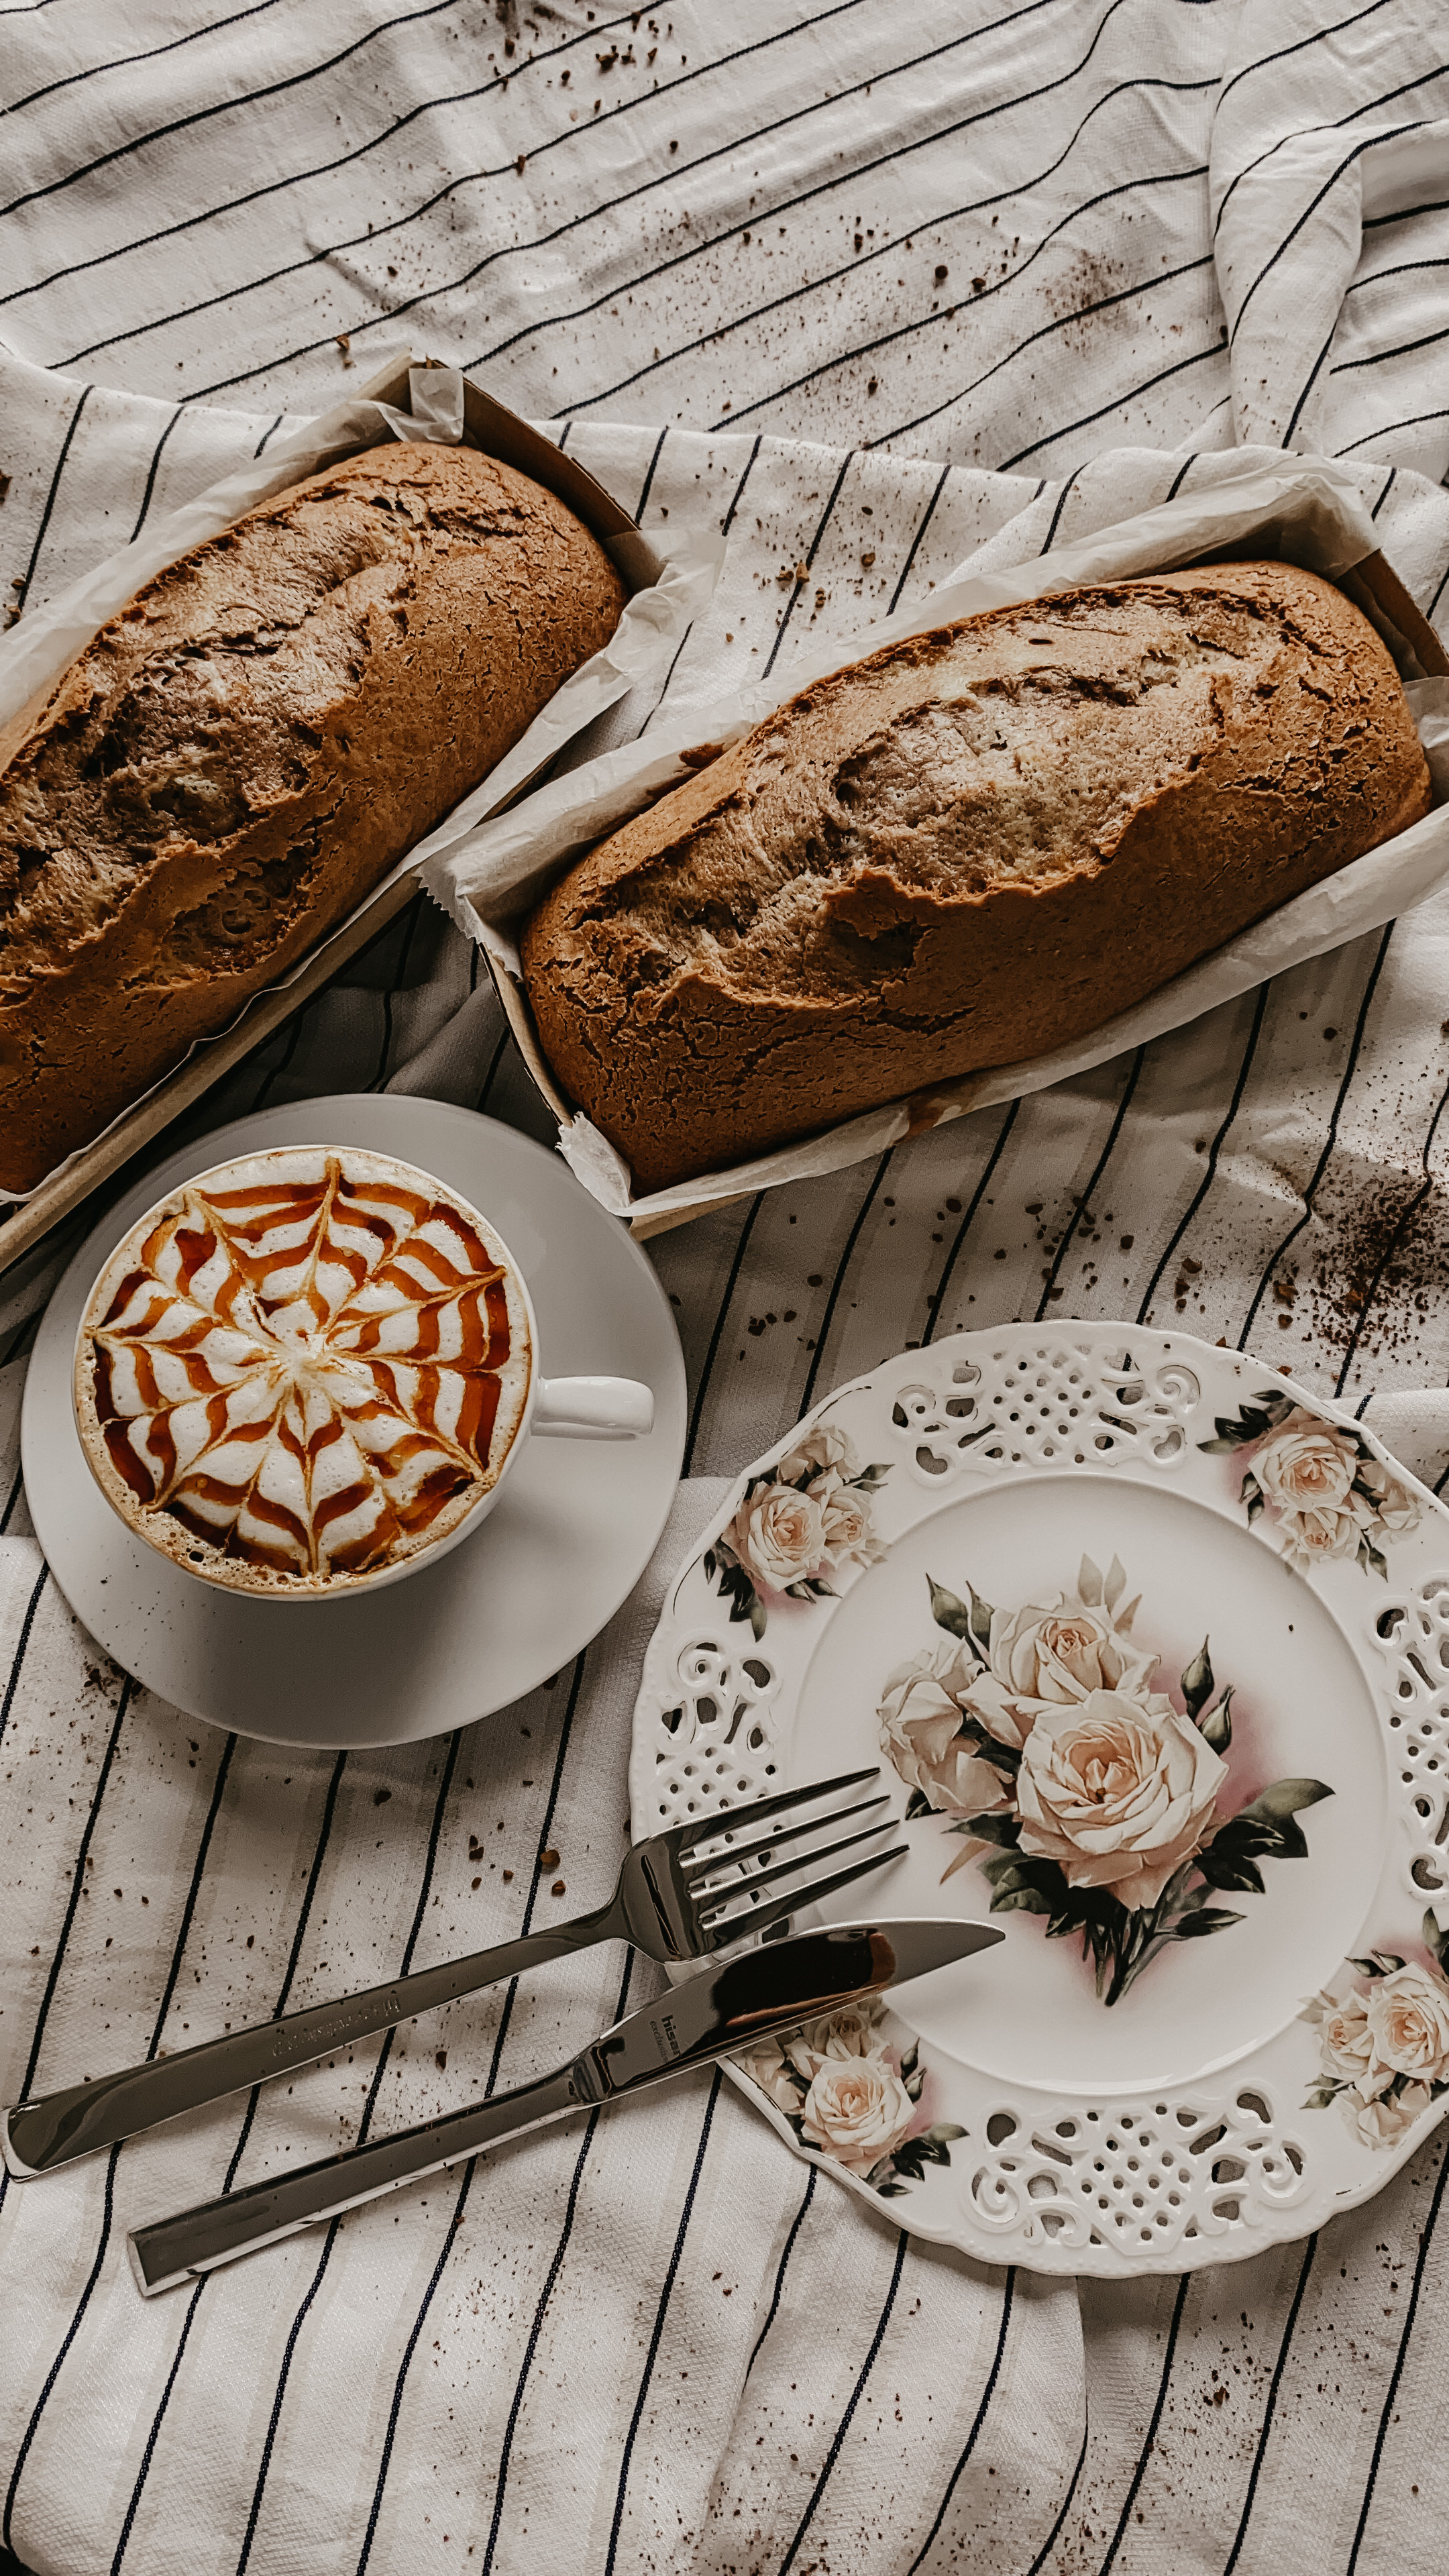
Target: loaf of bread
<point>240,755</point>
<point>968,848</point>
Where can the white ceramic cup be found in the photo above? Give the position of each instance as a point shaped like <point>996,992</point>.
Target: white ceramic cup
<point>583,1408</point>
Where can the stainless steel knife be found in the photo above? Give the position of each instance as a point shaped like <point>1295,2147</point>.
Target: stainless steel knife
<point>731,2006</point>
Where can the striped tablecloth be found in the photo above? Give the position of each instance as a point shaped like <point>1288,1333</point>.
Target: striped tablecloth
<point>876,289</point>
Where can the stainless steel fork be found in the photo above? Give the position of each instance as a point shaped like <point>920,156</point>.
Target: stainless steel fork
<point>684,1894</point>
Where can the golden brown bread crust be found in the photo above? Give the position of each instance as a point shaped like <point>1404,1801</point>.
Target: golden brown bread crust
<point>966,849</point>
<point>239,756</point>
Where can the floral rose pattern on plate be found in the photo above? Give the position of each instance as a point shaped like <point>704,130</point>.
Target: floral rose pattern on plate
<point>798,1525</point>
<point>1325,1492</point>
<point>1037,1732</point>
<point>1385,2044</point>
<point>849,2095</point>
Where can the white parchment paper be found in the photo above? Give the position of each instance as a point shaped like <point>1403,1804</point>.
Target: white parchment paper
<point>35,653</point>
<point>1305,511</point>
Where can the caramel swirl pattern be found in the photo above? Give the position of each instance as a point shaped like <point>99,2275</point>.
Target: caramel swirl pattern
<point>308,1362</point>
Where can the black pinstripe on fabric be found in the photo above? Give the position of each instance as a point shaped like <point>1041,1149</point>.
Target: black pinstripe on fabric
<point>123,62</point>
<point>77,2319</point>
<point>1089,1193</point>
<point>1383,496</point>
<point>1296,134</point>
<point>60,462</point>
<point>668,676</point>
<point>1402,349</point>
<point>979,2418</point>
<point>77,1882</point>
<point>1402,215</point>
<point>922,525</point>
<point>1119,402</point>
<point>936,1300</point>
<point>413,915</point>
<point>837,1283</point>
<point>1179,478</point>
<point>1386,2414</point>
<point>1329,1141</point>
<point>488,1079</point>
<point>269,434</point>
<point>158,452</point>
<point>298,1935</point>
<point>177,1954</point>
<point>852,268</point>
<point>721,1318</point>
<point>649,477</point>
<point>319,2273</point>
<point>500,2483</point>
<point>504,2018</point>
<point>739,492</point>
<point>656,2336</point>
<point>796,2224</point>
<point>1145,2454</point>
<point>1086,206</point>
<point>1063,497</point>
<point>1319,36</point>
<point>17,1660</point>
<point>1364,143</point>
<point>811,551</point>
<point>843,2427</point>
<point>1390,429</point>
<point>1269,2410</point>
<point>1439,593</point>
<point>1214,1150</point>
<point>1309,382</point>
<point>319,169</point>
<point>1401,268</point>
<point>220,107</point>
<point>536,151</point>
<point>1050,2542</point>
<point>1401,1228</point>
<point>490,174</point>
<point>11,1499</point>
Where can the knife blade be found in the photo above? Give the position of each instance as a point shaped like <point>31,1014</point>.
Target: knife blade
<point>734,2004</point>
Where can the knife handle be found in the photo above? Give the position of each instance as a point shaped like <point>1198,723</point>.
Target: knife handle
<point>38,2137</point>
<point>199,2240</point>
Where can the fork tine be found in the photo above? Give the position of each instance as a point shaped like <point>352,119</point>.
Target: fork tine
<point>755,1810</point>
<point>701,1863</point>
<point>721,1931</point>
<point>716,1896</point>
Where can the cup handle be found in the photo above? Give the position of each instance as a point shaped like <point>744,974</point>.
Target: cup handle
<point>592,1408</point>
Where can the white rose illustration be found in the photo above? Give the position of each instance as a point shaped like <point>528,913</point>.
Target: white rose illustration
<point>778,1534</point>
<point>770,2069</point>
<point>1309,1537</point>
<point>1381,2123</point>
<point>823,1447</point>
<point>1407,2018</point>
<point>1347,2043</point>
<point>1395,1506</point>
<point>849,2033</point>
<point>848,1522</point>
<point>1307,1465</point>
<point>857,2109</point>
<point>1060,1654</point>
<point>1118,1791</point>
<point>920,1718</point>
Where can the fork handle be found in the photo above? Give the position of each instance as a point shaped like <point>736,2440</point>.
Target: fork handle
<point>38,2137</point>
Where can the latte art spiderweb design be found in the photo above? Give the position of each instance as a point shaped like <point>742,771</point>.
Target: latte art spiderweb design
<point>307,1371</point>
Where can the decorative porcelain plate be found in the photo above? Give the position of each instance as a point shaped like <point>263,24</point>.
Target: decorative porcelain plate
<point>1153,1649</point>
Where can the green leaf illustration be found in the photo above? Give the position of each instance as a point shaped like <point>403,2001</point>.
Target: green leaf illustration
<point>1089,1584</point>
<point>758,1616</point>
<point>1319,2096</point>
<point>918,1804</point>
<point>1285,1797</point>
<point>1021,1900</point>
<point>1211,1918</point>
<point>948,1610</point>
<point>1197,1681</point>
<point>1005,1830</point>
<point>1227,1869</point>
<point>1115,1585</point>
<point>1216,1728</point>
<point>1436,1938</point>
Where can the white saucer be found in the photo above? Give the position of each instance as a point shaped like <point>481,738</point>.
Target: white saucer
<point>569,1539</point>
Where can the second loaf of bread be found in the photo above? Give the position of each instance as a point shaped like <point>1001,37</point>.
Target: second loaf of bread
<point>970,847</point>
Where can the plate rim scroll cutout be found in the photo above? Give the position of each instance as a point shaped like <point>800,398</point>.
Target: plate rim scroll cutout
<point>1056,2177</point>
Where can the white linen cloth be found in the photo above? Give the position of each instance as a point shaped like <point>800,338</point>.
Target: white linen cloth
<point>656,2342</point>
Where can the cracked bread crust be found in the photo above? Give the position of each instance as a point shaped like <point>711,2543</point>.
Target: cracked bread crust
<point>237,758</point>
<point>968,848</point>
